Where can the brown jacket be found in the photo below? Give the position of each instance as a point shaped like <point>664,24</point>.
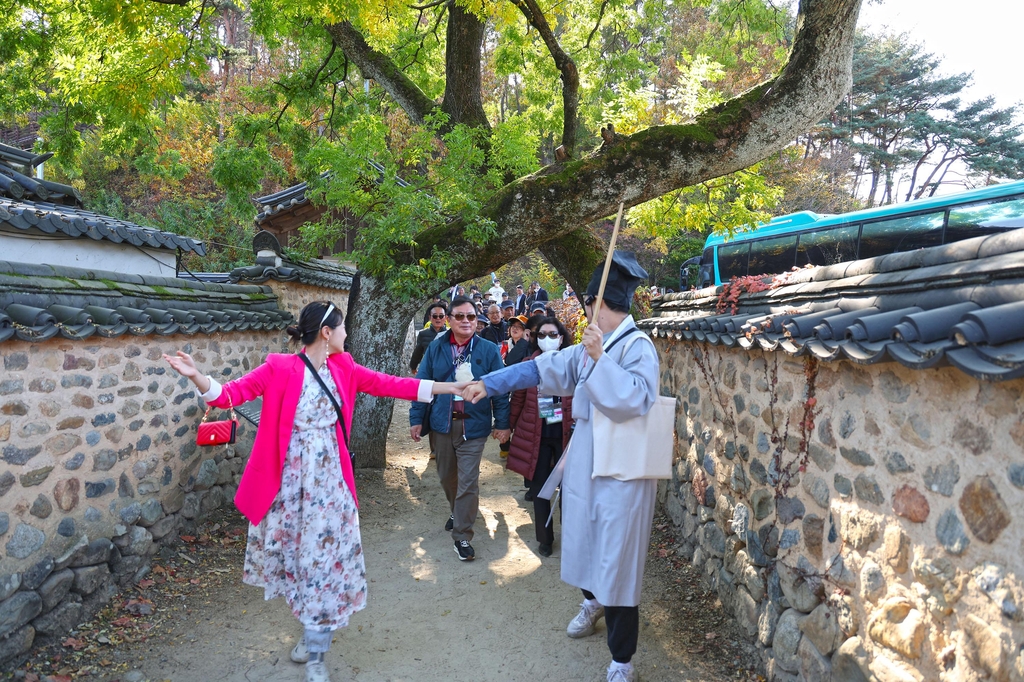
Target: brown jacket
<point>527,427</point>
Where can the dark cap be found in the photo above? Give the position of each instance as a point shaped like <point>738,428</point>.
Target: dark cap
<point>508,304</point>
<point>624,276</point>
<point>538,306</point>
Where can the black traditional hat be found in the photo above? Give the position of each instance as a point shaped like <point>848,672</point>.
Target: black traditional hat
<point>624,277</point>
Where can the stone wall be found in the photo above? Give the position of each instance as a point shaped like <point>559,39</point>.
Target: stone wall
<point>99,463</point>
<point>293,296</point>
<point>859,522</point>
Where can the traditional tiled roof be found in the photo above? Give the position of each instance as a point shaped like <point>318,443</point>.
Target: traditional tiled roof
<point>75,222</point>
<point>39,302</point>
<point>316,273</point>
<point>960,304</point>
<point>16,181</point>
<point>295,196</point>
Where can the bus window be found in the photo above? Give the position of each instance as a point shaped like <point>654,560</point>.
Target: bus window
<point>982,219</point>
<point>901,234</point>
<point>732,260</point>
<point>706,272</point>
<point>828,247</point>
<point>772,256</point>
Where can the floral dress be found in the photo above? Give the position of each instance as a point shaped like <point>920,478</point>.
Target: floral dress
<point>308,547</point>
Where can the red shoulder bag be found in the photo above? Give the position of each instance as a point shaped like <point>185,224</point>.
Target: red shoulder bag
<point>220,432</point>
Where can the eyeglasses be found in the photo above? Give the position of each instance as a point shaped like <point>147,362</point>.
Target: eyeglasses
<point>548,335</point>
<point>459,317</point>
<point>438,317</point>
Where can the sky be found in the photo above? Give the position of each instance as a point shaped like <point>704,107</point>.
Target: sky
<point>979,36</point>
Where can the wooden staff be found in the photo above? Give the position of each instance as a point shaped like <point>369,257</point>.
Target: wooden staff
<point>607,265</point>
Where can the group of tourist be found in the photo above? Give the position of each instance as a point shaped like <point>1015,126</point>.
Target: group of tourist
<point>517,379</point>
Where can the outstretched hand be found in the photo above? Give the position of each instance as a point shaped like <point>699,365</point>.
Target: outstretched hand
<point>183,364</point>
<point>474,392</point>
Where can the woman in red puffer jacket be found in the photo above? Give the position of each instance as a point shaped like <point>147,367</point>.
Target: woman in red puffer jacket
<point>541,426</point>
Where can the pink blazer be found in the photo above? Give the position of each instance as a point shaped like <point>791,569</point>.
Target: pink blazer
<point>279,381</point>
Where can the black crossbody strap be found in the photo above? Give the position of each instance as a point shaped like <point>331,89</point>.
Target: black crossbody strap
<point>330,396</point>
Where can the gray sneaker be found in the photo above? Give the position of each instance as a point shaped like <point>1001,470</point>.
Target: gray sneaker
<point>299,652</point>
<point>620,675</point>
<point>583,624</point>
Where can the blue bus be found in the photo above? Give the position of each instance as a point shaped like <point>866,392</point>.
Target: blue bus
<point>799,239</point>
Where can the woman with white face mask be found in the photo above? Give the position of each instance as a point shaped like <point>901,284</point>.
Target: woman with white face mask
<point>541,427</point>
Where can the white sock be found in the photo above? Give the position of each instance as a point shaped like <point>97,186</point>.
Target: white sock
<point>592,604</point>
<point>615,665</point>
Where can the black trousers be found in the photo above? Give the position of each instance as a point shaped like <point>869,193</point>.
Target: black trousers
<point>550,452</point>
<point>623,629</point>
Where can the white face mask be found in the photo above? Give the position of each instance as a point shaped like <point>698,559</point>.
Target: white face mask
<point>546,345</point>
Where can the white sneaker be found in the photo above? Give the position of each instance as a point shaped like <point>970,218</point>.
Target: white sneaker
<point>299,652</point>
<point>617,674</point>
<point>317,672</point>
<point>583,624</point>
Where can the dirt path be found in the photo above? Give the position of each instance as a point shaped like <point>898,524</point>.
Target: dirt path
<point>430,617</point>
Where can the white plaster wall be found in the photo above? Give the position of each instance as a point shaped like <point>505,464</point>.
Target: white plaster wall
<point>83,252</point>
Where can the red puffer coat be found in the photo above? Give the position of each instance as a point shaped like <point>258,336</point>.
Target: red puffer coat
<point>527,426</point>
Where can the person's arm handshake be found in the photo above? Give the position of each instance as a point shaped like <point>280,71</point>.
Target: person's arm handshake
<point>474,392</point>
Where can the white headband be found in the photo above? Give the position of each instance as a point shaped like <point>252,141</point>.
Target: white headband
<point>330,309</point>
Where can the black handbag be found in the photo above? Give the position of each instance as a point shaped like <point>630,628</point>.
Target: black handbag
<point>330,396</point>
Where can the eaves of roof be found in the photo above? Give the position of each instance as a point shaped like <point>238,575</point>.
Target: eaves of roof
<point>75,222</point>
<point>313,273</point>
<point>40,302</point>
<point>959,304</point>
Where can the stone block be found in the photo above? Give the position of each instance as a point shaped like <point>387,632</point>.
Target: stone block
<point>802,588</point>
<point>872,581</point>
<point>896,549</point>
<point>96,552</point>
<point>763,503</point>
<point>822,629</point>
<point>33,577</point>
<point>136,542</point>
<point>66,494</point>
<point>25,541</point>
<point>984,510</point>
<point>34,477</point>
<point>909,503</point>
<point>745,612</point>
<point>899,626</point>
<point>859,528</point>
<point>41,507</point>
<point>213,499</point>
<point>165,526</point>
<point>896,463</point>
<point>817,488</point>
<point>813,666</point>
<point>787,640</point>
<point>814,534</point>
<point>843,486</point>
<point>206,476</point>
<point>850,662</point>
<point>190,507</point>
<point>789,509</point>
<point>9,584</point>
<point>950,533</point>
<point>867,490</point>
<point>173,500</point>
<point>17,643</point>
<point>89,578</point>
<point>152,512</point>
<point>991,579</point>
<point>61,619</point>
<point>55,588</point>
<point>943,478</point>
<point>18,611</point>
<point>988,646</point>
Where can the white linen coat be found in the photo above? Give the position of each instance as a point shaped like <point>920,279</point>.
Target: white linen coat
<point>606,523</point>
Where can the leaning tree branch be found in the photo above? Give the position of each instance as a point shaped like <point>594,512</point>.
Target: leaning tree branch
<point>633,169</point>
<point>570,74</point>
<point>382,69</point>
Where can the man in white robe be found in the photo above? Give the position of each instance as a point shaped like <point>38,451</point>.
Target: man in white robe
<point>606,523</point>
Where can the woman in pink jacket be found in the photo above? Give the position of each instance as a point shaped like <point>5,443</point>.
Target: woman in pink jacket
<point>298,488</point>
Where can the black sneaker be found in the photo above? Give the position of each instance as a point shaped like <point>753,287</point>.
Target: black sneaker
<point>528,496</point>
<point>544,550</point>
<point>450,523</point>
<point>464,550</point>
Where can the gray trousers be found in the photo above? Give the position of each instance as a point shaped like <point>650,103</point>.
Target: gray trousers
<point>458,466</point>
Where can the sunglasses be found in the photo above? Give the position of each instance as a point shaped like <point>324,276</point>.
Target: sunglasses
<point>548,335</point>
<point>589,300</point>
<point>459,317</point>
<point>438,317</point>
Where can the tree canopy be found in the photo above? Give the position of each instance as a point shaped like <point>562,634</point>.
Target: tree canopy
<point>501,127</point>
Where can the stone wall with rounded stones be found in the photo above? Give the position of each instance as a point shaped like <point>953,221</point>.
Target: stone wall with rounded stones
<point>98,465</point>
<point>294,296</point>
<point>883,542</point>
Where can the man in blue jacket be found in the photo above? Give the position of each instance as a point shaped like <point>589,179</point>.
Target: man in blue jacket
<point>459,429</point>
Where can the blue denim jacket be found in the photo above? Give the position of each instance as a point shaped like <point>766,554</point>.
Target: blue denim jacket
<point>484,416</point>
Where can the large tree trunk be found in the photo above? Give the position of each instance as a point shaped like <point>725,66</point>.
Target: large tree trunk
<point>377,324</point>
